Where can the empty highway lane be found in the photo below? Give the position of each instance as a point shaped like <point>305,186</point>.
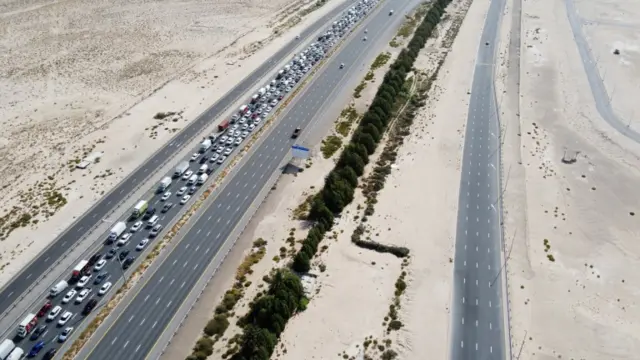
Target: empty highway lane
<point>477,318</point>
<point>136,329</point>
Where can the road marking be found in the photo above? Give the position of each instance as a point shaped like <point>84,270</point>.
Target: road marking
<point>185,263</point>
<point>181,286</point>
<point>172,281</point>
<point>476,346</point>
<point>476,323</point>
<point>142,322</point>
<point>490,326</point>
<point>187,246</point>
<point>125,344</point>
<point>463,299</point>
<point>174,261</point>
<point>169,303</point>
<point>476,300</point>
<point>491,349</point>
<point>464,280</point>
<point>461,344</point>
<point>138,348</point>
<point>157,301</point>
<point>462,321</point>
<point>146,298</point>
<point>162,278</point>
<point>154,324</point>
<point>45,260</point>
<point>476,285</point>
<point>195,267</point>
<point>489,303</point>
<point>207,250</point>
<point>131,318</point>
<point>114,340</point>
<point>476,265</point>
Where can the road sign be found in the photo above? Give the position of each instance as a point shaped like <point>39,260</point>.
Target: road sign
<point>300,152</point>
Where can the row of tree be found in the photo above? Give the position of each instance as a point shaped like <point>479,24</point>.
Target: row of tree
<point>270,312</point>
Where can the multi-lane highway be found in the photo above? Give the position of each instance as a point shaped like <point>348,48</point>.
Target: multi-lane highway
<point>477,318</point>
<point>134,333</point>
<point>13,290</point>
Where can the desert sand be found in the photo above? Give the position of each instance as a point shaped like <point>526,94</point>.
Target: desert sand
<point>571,228</point>
<point>81,77</point>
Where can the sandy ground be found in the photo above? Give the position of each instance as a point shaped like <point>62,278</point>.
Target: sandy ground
<point>571,229</point>
<point>80,77</point>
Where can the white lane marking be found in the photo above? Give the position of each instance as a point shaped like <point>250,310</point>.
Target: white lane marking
<point>114,340</point>
<point>131,318</point>
<point>154,325</point>
<point>125,344</point>
<point>142,322</point>
<point>169,303</point>
<point>146,298</point>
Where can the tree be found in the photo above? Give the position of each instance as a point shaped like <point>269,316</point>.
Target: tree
<point>348,175</point>
<point>256,344</point>
<point>352,159</point>
<point>368,142</point>
<point>301,262</point>
<point>371,130</point>
<point>319,212</point>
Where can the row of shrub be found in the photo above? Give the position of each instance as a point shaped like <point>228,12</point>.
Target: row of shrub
<point>269,313</point>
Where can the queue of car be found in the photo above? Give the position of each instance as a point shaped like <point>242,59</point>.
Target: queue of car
<point>219,147</point>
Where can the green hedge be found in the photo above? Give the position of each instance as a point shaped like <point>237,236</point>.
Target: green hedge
<point>270,312</point>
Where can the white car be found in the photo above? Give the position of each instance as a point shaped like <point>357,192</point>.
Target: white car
<point>142,244</point>
<point>185,199</point>
<point>65,334</point>
<point>238,141</point>
<point>223,139</point>
<point>234,127</point>
<point>221,159</point>
<point>54,313</point>
<point>83,281</point>
<point>70,295</point>
<point>194,157</point>
<point>65,318</point>
<point>182,190</point>
<point>137,226</point>
<point>230,141</point>
<point>251,127</point>
<point>244,128</point>
<point>245,134</point>
<point>124,239</point>
<point>236,133</point>
<point>166,196</point>
<point>187,174</point>
<point>268,109</point>
<point>105,288</point>
<point>228,151</point>
<point>220,149</point>
<point>214,158</point>
<point>100,264</point>
<point>83,295</point>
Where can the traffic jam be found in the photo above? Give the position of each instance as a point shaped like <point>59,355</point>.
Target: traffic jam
<point>41,332</point>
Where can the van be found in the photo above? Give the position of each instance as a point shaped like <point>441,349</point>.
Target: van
<point>152,221</point>
<point>192,180</point>
<point>58,288</point>
<point>255,98</point>
<point>202,178</point>
<point>203,169</point>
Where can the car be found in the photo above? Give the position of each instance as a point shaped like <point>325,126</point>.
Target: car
<point>123,254</point>
<point>100,277</point>
<point>235,117</point>
<point>111,253</point>
<point>83,281</point>
<point>83,295</point>
<point>128,262</point>
<point>213,159</point>
<point>90,305</point>
<point>70,295</point>
<point>234,127</point>
<point>280,97</point>
<point>228,151</point>
<point>220,149</point>
<point>65,318</point>
<point>342,66</point>
<point>187,174</point>
<point>237,133</point>
<point>297,37</point>
<point>65,334</point>
<point>192,190</point>
<point>251,127</point>
<point>36,349</point>
<point>364,38</point>
<point>43,310</point>
<point>209,171</point>
<point>203,160</point>
<point>259,111</point>
<point>99,265</point>
<point>194,157</point>
<point>182,190</point>
<point>185,199</point>
<point>54,313</point>
<point>165,196</point>
<point>142,244</point>
<point>245,134</point>
<point>94,259</point>
<point>136,226</point>
<point>105,288</point>
<point>37,332</point>
<point>296,132</point>
<point>149,213</point>
<point>223,139</point>
<point>230,141</point>
<point>288,89</point>
<point>238,141</point>
<point>49,354</point>
<point>156,229</point>
<point>124,239</point>
<point>268,109</point>
<point>274,102</point>
<point>167,207</point>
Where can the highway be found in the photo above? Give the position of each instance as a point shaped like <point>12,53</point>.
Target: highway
<point>13,290</point>
<point>477,322</point>
<point>133,334</point>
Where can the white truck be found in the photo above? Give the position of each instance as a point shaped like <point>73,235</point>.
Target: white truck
<point>139,209</point>
<point>58,288</point>
<point>27,325</point>
<point>205,145</point>
<point>180,169</point>
<point>202,178</point>
<point>116,231</point>
<point>6,348</point>
<point>16,354</point>
<point>164,184</point>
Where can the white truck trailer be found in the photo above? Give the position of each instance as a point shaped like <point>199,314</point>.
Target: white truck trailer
<point>205,145</point>
<point>117,230</point>
<point>180,169</point>
<point>16,354</point>
<point>164,184</point>
<point>139,209</point>
<point>6,348</point>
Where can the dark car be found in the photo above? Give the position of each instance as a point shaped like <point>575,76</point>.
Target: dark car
<point>36,349</point>
<point>209,171</point>
<point>167,207</point>
<point>50,354</point>
<point>94,259</point>
<point>44,309</point>
<point>90,306</point>
<point>192,190</point>
<point>296,132</point>
<point>111,253</point>
<point>150,212</point>
<point>100,277</point>
<point>128,262</point>
<point>37,332</point>
<point>203,160</point>
<point>123,254</point>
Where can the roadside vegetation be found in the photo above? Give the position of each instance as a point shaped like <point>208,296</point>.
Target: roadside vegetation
<point>330,145</point>
<point>270,310</point>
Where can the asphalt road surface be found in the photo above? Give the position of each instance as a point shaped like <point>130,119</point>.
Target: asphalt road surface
<point>136,329</point>
<point>477,319</point>
<point>19,284</point>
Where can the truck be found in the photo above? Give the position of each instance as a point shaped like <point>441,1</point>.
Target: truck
<point>243,109</point>
<point>164,185</point>
<point>116,231</point>
<point>180,169</point>
<point>255,98</point>
<point>27,325</point>
<point>262,91</point>
<point>58,288</point>
<point>6,348</point>
<point>140,208</point>
<point>205,145</point>
<point>16,354</point>
<point>82,268</point>
<point>202,178</point>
